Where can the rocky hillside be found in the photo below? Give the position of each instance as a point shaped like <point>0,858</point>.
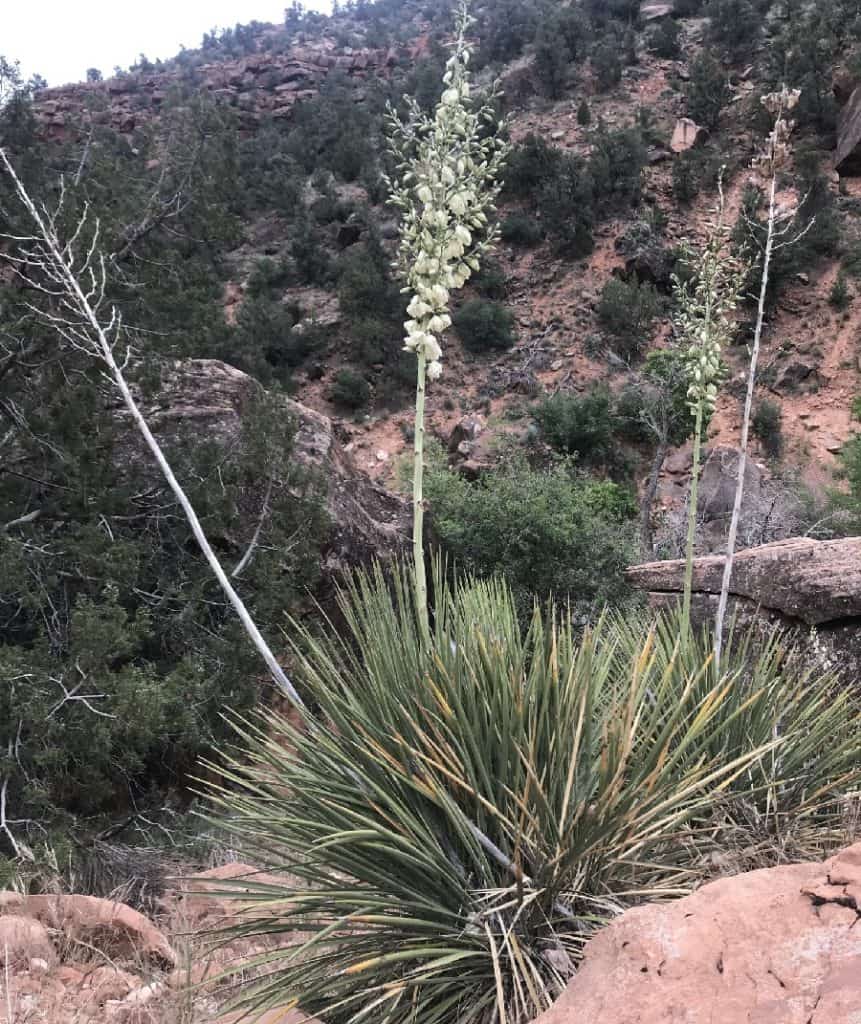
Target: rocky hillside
<point>240,191</point>
<point>811,359</point>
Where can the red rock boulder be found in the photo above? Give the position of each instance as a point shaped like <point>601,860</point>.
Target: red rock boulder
<point>776,946</point>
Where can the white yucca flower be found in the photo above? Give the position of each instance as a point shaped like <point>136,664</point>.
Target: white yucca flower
<point>449,171</point>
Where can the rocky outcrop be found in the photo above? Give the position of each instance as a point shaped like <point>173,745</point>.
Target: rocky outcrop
<point>21,940</point>
<point>797,584</point>
<point>117,928</point>
<point>651,10</point>
<point>776,946</point>
<point>718,483</point>
<point>686,135</point>
<point>809,581</point>
<point>208,398</point>
<point>257,86</point>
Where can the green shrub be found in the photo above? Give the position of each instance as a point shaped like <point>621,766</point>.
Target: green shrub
<point>734,26</point>
<point>686,177</point>
<point>520,229</point>
<point>490,281</point>
<point>767,425</point>
<point>267,277</point>
<point>552,59</point>
<point>313,262</point>
<point>584,113</point>
<point>839,296</point>
<point>546,531</point>
<point>851,262</point>
<point>583,426</point>
<point>264,342</point>
<point>144,626</point>
<point>627,309</point>
<point>664,39</point>
<point>708,91</point>
<point>615,167</point>
<point>607,64</point>
<point>604,768</point>
<point>531,165</point>
<point>350,390</point>
<point>484,325</point>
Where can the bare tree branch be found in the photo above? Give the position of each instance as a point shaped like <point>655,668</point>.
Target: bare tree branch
<point>76,276</point>
<point>255,540</point>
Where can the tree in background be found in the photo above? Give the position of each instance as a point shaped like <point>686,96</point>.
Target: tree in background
<point>708,91</point>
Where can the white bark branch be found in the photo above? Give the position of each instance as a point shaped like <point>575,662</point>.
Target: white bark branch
<point>81,302</point>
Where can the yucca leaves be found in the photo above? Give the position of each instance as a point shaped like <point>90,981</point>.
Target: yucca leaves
<point>459,818</point>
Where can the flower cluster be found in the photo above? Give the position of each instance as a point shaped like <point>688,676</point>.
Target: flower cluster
<point>706,299</point>
<point>776,152</point>
<point>449,170</point>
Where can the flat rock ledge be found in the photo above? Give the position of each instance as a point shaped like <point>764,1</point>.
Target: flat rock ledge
<point>806,581</point>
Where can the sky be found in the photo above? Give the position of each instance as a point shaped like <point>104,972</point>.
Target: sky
<point>60,39</point>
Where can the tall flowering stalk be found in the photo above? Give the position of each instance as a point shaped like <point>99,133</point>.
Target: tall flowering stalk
<point>768,165</point>
<point>706,299</point>
<point>447,180</point>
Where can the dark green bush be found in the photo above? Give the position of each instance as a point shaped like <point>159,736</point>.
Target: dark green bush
<point>851,261</point>
<point>507,27</point>
<point>686,177</point>
<point>484,325</point>
<point>545,531</point>
<point>767,425</point>
<point>521,229</point>
<point>490,281</point>
<point>664,39</point>
<point>708,91</point>
<point>607,64</point>
<point>627,309</point>
<point>567,207</point>
<point>350,390</point>
<point>552,59</point>
<point>734,26</point>
<point>583,426</point>
<point>313,262</point>
<point>264,343</point>
<point>840,296</point>
<point>268,276</point>
<point>584,113</point>
<point>616,166</point>
<point>530,166</point>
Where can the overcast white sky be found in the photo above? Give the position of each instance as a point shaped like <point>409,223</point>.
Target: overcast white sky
<point>60,39</point>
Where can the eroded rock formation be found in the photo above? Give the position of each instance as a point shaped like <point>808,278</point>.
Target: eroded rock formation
<point>208,398</point>
<point>257,86</point>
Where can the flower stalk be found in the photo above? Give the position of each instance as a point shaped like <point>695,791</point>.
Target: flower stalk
<point>706,298</point>
<point>448,176</point>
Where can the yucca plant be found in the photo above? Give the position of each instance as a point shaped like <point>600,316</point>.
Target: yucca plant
<point>458,818</point>
<point>791,798</point>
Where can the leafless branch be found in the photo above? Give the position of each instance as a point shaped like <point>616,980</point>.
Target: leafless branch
<point>73,695</point>
<point>76,277</point>
<point>242,564</point>
<point>30,517</point>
